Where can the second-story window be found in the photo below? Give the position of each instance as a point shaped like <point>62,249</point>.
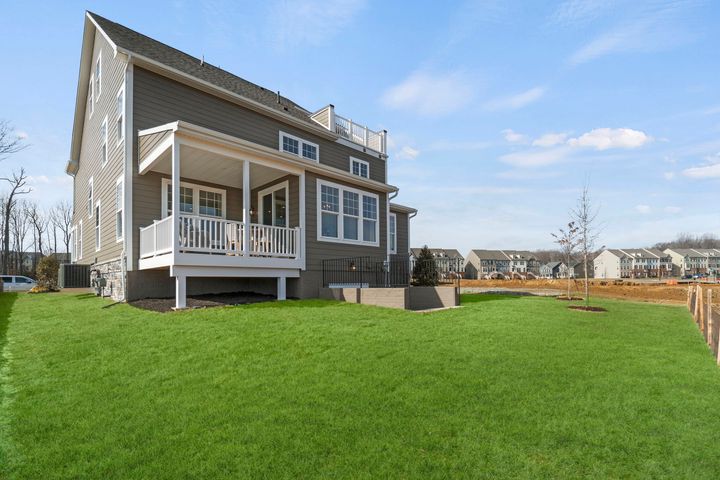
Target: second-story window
<point>103,145</point>
<point>297,146</point>
<point>91,95</point>
<point>120,115</point>
<point>361,168</point>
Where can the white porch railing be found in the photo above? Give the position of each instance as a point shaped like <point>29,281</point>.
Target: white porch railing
<point>213,235</point>
<point>350,130</point>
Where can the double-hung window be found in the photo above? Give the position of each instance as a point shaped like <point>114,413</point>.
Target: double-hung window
<point>91,95</point>
<point>104,144</point>
<point>194,200</point>
<point>119,202</point>
<point>346,214</point>
<point>79,239</point>
<point>297,146</point>
<point>90,202</point>
<point>392,232</point>
<point>361,168</point>
<point>120,115</point>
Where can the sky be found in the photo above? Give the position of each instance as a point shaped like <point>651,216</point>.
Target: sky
<point>498,112</point>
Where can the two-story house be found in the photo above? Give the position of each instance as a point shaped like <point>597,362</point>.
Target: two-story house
<point>501,263</point>
<point>692,261</point>
<point>632,263</point>
<point>188,179</point>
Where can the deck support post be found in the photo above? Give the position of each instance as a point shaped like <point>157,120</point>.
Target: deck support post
<point>246,209</point>
<point>180,292</point>
<point>282,288</point>
<point>175,198</point>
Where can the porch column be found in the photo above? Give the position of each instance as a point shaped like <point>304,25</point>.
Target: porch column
<point>246,208</point>
<point>180,292</point>
<point>176,201</point>
<point>282,288</point>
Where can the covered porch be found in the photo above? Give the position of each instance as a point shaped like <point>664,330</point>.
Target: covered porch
<point>225,210</point>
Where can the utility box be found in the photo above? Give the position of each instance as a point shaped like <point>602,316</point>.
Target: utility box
<point>74,275</point>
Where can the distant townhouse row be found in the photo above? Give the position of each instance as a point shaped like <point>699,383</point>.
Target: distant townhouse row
<point>447,260</point>
<point>654,263</point>
<point>487,264</point>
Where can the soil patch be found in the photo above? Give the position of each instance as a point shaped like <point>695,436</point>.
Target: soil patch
<point>587,309</point>
<point>203,301</point>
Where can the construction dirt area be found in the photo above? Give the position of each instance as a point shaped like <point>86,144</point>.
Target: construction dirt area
<point>644,291</point>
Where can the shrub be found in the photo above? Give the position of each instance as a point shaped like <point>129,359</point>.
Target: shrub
<point>47,273</point>
<point>424,272</point>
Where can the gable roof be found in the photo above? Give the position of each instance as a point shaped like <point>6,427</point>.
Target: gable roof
<point>157,56</point>
<point>490,254</point>
<point>439,252</point>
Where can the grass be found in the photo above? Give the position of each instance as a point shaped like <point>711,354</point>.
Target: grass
<point>510,387</point>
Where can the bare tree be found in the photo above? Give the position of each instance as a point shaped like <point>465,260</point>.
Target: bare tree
<point>18,186</point>
<point>61,217</point>
<point>39,226</point>
<point>567,239</point>
<point>585,216</point>
<point>20,227</point>
<point>10,142</point>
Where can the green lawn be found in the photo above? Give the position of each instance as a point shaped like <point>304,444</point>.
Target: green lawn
<point>502,387</point>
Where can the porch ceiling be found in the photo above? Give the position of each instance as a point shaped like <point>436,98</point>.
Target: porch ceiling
<point>210,167</point>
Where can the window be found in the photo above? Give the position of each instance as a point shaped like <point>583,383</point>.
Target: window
<point>120,115</point>
<point>79,249</point>
<point>98,76</point>
<point>90,202</point>
<point>97,226</point>
<point>273,205</point>
<point>210,203</point>
<point>297,146</point>
<point>194,199</point>
<point>347,214</point>
<point>73,244</point>
<point>392,232</point>
<point>361,168</point>
<point>119,209</point>
<point>91,94</point>
<point>103,145</point>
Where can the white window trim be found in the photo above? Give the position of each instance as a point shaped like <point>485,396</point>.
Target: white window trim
<point>104,161</point>
<point>300,146</point>
<point>357,160</point>
<point>120,208</point>
<point>99,77</point>
<point>340,214</point>
<point>97,226</point>
<point>280,186</point>
<point>196,198</point>
<point>73,244</point>
<point>91,200</point>
<point>392,245</point>
<point>80,241</point>
<point>121,113</point>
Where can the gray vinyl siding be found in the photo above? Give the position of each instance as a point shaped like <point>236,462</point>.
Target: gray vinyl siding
<point>90,165</point>
<point>403,243</point>
<point>158,100</point>
<point>318,250</point>
<point>148,142</point>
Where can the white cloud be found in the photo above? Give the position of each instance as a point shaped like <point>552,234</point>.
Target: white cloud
<point>550,140</point>
<point>514,102</point>
<point>514,137</point>
<point>312,22</point>
<point>643,209</point>
<point>431,93</point>
<point>705,171</point>
<point>21,135</point>
<point>580,12</point>
<point>673,209</point>
<point>407,153</point>
<point>605,138</point>
<point>669,175</point>
<point>536,158</point>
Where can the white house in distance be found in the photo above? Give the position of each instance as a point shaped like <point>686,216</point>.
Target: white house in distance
<point>632,263</point>
<point>691,261</point>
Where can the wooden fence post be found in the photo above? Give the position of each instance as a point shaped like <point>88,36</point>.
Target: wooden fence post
<point>696,313</point>
<point>689,298</point>
<point>709,316</point>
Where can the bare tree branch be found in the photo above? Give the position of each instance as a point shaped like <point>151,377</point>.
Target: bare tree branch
<point>18,186</point>
<point>10,142</point>
<point>585,215</point>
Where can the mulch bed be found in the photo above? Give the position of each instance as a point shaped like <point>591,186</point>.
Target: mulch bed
<point>587,309</point>
<point>203,301</point>
<point>568,299</point>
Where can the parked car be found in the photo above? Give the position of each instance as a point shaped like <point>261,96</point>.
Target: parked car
<point>17,283</point>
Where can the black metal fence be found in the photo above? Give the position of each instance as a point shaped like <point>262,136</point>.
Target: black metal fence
<point>374,272</point>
